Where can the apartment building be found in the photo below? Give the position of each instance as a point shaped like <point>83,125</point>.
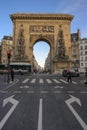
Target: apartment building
<point>83,54</point>
<point>6,44</point>
<point>75,37</point>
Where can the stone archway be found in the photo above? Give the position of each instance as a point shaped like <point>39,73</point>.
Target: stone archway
<point>49,41</point>
<point>52,28</point>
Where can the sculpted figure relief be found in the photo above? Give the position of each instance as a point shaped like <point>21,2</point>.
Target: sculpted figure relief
<point>61,46</point>
<point>21,41</point>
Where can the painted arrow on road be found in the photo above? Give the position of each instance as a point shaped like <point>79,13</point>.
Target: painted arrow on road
<point>15,103</point>
<point>77,100</point>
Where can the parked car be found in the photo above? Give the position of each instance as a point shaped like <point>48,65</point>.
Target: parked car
<point>74,73</point>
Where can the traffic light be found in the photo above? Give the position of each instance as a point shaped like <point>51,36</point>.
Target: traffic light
<point>9,54</point>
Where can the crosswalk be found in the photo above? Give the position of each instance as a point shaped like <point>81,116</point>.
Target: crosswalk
<point>48,81</point>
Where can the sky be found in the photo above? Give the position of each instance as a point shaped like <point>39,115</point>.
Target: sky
<point>77,8</point>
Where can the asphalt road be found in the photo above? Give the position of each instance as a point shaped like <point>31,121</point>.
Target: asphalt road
<point>43,102</point>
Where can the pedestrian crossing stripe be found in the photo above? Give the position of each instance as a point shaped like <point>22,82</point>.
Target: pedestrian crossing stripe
<point>49,81</point>
<point>56,81</point>
<point>33,81</point>
<point>41,81</point>
<point>25,81</point>
<point>74,82</point>
<point>64,81</point>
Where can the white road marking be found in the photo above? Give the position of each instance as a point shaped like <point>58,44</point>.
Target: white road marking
<point>49,81</point>
<point>31,92</point>
<point>74,82</point>
<point>69,104</point>
<point>44,91</point>
<point>14,105</point>
<point>25,81</point>
<point>70,91</point>
<point>3,91</point>
<point>33,81</point>
<point>17,91</point>
<point>24,86</point>
<point>40,115</point>
<point>56,81</point>
<point>84,92</point>
<point>21,86</point>
<point>41,81</point>
<point>57,91</point>
<point>58,87</point>
<point>64,81</point>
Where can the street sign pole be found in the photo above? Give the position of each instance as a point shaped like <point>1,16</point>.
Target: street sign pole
<point>9,56</point>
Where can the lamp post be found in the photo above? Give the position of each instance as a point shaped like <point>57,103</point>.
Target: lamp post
<point>8,56</point>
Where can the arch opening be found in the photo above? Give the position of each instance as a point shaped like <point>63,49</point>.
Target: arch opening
<point>41,52</point>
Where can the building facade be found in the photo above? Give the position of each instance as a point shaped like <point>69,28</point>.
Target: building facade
<point>83,54</point>
<point>6,45</point>
<point>51,28</point>
<point>75,55</point>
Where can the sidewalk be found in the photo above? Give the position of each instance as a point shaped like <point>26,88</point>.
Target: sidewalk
<point>4,81</point>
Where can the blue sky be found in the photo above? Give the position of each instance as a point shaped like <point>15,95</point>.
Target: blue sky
<point>78,8</point>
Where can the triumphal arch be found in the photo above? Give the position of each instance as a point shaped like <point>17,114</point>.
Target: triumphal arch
<point>52,28</point>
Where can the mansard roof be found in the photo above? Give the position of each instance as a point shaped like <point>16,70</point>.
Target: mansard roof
<point>7,37</point>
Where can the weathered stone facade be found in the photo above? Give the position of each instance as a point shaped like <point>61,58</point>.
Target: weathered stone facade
<point>52,28</point>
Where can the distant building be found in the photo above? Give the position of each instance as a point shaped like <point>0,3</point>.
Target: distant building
<point>6,44</point>
<point>75,37</point>
<point>47,66</point>
<point>83,54</point>
<point>36,66</point>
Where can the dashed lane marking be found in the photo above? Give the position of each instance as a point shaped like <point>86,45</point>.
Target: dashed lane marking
<point>83,92</point>
<point>70,91</point>
<point>57,91</point>
<point>31,92</point>
<point>58,87</point>
<point>24,86</point>
<point>3,91</point>
<point>44,91</point>
<point>17,92</point>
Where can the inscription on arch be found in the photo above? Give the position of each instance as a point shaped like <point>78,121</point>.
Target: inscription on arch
<point>41,28</point>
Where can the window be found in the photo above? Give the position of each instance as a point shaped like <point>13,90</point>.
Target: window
<point>81,53</point>
<point>86,58</point>
<point>86,64</point>
<point>85,46</point>
<point>85,52</point>
<point>81,58</point>
<point>82,64</point>
<point>81,47</point>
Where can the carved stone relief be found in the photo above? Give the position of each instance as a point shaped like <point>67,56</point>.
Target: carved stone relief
<point>41,29</point>
<point>61,49</point>
<point>21,46</point>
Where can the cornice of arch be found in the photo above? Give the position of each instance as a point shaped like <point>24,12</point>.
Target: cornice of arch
<point>41,16</point>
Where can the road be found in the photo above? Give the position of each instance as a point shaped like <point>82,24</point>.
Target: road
<point>43,102</point>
